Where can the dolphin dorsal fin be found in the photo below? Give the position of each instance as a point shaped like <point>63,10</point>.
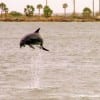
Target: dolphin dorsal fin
<point>37,31</point>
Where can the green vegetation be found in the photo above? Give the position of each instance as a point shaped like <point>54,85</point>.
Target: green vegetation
<point>29,10</point>
<point>48,14</point>
<point>65,5</point>
<point>3,9</point>
<point>47,11</point>
<point>87,12</point>
<point>39,6</point>
<point>15,14</point>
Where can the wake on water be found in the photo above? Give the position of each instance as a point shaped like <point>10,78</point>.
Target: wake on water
<point>36,62</point>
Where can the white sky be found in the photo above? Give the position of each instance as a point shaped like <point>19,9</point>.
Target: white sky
<point>56,5</point>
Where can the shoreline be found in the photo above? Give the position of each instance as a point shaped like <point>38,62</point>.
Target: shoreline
<point>49,19</point>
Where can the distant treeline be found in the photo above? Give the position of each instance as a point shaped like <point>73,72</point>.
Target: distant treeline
<point>29,10</point>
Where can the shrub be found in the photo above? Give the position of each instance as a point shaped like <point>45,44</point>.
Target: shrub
<point>87,12</point>
<point>15,14</point>
<point>47,11</point>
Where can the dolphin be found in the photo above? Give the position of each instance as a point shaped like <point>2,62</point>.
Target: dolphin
<point>33,39</point>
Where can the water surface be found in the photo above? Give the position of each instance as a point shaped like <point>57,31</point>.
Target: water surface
<point>70,71</point>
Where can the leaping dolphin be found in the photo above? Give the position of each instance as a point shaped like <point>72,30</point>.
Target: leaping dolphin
<point>33,39</point>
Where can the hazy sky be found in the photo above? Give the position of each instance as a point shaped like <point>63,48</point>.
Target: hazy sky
<point>56,5</point>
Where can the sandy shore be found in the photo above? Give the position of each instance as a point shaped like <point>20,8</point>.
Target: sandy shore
<point>49,19</point>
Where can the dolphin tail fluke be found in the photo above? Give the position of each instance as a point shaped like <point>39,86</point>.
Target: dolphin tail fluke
<point>45,49</point>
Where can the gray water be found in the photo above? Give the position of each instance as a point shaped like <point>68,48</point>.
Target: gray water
<point>70,71</point>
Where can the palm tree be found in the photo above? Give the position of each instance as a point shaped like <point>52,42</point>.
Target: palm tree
<point>6,11</point>
<point>65,6</point>
<point>39,6</point>
<point>2,7</point>
<point>46,2</point>
<point>99,6</point>
<point>29,10</point>
<point>74,4</point>
<point>93,7</point>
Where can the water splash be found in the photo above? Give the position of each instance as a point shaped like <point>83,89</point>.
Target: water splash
<point>36,61</point>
